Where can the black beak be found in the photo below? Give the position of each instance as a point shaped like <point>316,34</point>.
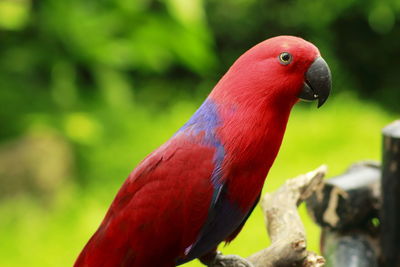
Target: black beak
<point>318,82</point>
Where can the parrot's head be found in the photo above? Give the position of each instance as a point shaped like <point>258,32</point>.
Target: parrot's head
<point>283,69</point>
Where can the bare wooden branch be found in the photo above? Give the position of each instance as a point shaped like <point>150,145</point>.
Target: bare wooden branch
<point>285,228</point>
<point>284,225</point>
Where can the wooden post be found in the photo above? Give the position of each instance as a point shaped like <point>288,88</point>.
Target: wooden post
<point>353,249</point>
<point>390,211</point>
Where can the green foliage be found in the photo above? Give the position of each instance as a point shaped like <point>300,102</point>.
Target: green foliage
<point>69,54</point>
<point>115,78</point>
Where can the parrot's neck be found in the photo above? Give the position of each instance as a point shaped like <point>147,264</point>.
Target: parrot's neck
<point>252,133</point>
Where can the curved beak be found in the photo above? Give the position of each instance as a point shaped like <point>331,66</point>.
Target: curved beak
<point>318,82</point>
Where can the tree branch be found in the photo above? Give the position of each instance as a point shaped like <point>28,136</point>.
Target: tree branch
<point>284,226</point>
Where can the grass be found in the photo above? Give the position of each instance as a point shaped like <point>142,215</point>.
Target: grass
<point>342,132</point>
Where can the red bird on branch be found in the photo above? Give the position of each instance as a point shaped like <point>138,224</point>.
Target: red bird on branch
<point>198,189</point>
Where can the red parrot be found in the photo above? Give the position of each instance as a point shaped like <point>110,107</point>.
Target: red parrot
<point>198,189</point>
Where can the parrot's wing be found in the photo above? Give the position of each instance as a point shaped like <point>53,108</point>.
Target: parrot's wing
<point>237,230</point>
<point>224,222</point>
<point>160,209</point>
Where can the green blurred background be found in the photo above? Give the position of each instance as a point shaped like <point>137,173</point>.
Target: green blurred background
<point>88,88</point>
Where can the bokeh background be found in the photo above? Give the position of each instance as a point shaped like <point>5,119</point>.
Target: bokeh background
<point>88,88</point>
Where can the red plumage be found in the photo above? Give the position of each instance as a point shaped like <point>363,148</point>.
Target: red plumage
<point>198,188</point>
<point>133,230</point>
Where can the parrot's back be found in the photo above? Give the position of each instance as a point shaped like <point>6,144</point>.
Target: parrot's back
<point>158,211</point>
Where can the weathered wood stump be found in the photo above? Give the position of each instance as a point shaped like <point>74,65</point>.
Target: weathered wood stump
<point>390,211</point>
<point>346,207</point>
<point>349,249</point>
<point>348,200</point>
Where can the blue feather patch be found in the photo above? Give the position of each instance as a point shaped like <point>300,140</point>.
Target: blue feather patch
<point>224,217</point>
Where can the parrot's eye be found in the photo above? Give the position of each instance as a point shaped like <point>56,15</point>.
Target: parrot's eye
<point>285,58</point>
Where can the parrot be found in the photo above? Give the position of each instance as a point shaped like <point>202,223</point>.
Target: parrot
<point>198,188</point>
